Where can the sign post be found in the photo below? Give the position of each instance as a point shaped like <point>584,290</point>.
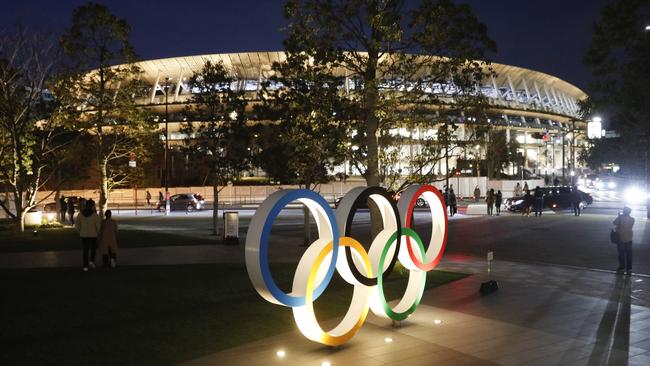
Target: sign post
<point>490,285</point>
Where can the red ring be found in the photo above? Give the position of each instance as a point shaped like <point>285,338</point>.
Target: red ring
<point>431,265</point>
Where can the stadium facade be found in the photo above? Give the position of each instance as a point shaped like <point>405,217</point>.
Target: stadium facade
<point>539,110</point>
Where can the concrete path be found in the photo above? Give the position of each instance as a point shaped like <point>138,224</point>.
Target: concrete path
<point>542,315</point>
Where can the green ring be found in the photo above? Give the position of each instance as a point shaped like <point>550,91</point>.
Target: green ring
<point>380,281</point>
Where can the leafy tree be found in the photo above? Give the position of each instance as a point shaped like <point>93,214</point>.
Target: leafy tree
<point>106,85</point>
<point>618,57</point>
<point>305,99</point>
<point>395,57</point>
<point>32,118</point>
<point>219,136</point>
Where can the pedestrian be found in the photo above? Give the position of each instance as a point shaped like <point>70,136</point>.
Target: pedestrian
<point>528,202</point>
<point>70,205</point>
<point>148,198</point>
<point>88,224</point>
<point>160,196</point>
<point>517,192</point>
<point>477,193</point>
<point>92,203</point>
<point>489,198</point>
<point>498,199</point>
<point>452,202</point>
<point>81,204</point>
<point>624,223</point>
<point>63,207</point>
<point>556,181</point>
<point>576,200</point>
<point>108,241</point>
<point>539,201</point>
<point>526,189</point>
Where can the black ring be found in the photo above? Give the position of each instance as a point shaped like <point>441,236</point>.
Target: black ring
<point>361,200</point>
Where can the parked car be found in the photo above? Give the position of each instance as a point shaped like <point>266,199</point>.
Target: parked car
<point>555,198</point>
<point>51,207</point>
<point>420,203</point>
<point>183,202</point>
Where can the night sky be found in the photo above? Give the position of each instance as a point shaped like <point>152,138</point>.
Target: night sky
<point>549,36</point>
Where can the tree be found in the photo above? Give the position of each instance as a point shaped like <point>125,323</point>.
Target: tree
<point>385,46</point>
<point>619,56</point>
<point>106,86</point>
<point>305,99</point>
<point>32,118</point>
<point>219,136</point>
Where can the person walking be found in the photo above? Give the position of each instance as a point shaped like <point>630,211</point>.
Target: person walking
<point>70,205</point>
<point>517,192</point>
<point>498,199</point>
<point>624,223</point>
<point>539,201</point>
<point>489,198</point>
<point>108,240</point>
<point>526,189</point>
<point>148,198</point>
<point>528,202</point>
<point>477,193</point>
<point>63,208</point>
<point>88,224</point>
<point>452,202</point>
<point>556,181</point>
<point>576,200</point>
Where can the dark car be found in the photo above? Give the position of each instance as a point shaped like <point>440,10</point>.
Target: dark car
<point>51,207</point>
<point>183,202</point>
<point>555,198</point>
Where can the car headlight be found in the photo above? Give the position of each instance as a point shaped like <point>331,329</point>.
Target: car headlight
<point>611,185</point>
<point>517,202</point>
<point>635,195</point>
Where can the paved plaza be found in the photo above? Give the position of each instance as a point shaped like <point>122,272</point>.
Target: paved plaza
<point>559,302</point>
<point>542,315</point>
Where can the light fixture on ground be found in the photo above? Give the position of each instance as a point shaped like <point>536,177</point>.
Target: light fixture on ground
<point>326,363</point>
<point>437,322</point>
<point>280,353</point>
<point>388,339</point>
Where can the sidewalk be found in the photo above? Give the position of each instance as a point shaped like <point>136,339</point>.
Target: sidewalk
<point>542,315</point>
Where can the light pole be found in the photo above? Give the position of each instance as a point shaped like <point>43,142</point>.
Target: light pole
<point>167,203</point>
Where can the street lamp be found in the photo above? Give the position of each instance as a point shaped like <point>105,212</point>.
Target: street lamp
<point>167,203</point>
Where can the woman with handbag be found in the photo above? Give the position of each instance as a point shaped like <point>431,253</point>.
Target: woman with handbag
<point>623,237</point>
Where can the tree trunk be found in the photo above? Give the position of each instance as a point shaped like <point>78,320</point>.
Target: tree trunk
<point>103,188</point>
<point>215,209</point>
<point>372,122</point>
<point>21,215</point>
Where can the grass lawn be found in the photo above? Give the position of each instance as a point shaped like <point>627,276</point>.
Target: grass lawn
<point>152,315</point>
<point>68,239</point>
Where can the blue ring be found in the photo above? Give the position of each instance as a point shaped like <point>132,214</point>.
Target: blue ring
<point>288,197</point>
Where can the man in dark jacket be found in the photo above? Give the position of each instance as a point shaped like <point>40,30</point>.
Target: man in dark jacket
<point>576,199</point>
<point>63,208</point>
<point>539,201</point>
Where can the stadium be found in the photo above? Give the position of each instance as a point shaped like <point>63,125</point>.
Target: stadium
<point>538,110</point>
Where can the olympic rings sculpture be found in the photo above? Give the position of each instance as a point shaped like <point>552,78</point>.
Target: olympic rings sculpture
<point>365,270</point>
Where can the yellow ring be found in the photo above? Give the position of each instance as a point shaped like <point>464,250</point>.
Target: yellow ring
<point>305,316</point>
